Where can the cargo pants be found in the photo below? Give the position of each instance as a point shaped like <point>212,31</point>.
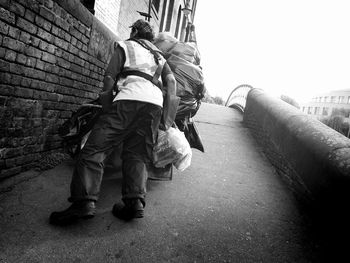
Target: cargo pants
<point>132,125</point>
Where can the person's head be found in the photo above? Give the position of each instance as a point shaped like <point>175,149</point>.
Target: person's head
<point>142,29</point>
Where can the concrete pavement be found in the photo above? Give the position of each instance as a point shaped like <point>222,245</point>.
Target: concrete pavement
<point>229,206</point>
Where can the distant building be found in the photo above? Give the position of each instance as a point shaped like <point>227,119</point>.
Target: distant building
<point>323,105</point>
<point>174,16</point>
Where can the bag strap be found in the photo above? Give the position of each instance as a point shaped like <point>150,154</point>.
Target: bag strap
<point>141,74</point>
<point>157,58</point>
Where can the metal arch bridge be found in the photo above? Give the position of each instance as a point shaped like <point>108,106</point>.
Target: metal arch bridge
<point>238,97</point>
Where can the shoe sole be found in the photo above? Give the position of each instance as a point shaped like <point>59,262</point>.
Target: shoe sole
<point>139,214</point>
<point>135,214</point>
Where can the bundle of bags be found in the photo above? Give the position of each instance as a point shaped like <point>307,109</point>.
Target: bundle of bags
<point>183,59</point>
<point>172,148</point>
<point>169,45</point>
<point>174,145</point>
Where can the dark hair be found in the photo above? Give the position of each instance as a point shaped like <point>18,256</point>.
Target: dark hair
<point>143,35</point>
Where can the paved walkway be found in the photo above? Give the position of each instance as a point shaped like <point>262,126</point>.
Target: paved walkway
<point>229,206</point>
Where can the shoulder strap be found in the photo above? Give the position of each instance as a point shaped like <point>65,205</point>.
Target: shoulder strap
<point>158,55</point>
<point>142,75</point>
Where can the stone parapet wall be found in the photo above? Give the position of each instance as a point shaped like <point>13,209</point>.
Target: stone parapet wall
<point>52,59</point>
<point>312,158</point>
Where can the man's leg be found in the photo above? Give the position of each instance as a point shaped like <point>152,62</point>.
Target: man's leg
<point>137,152</point>
<point>87,176</point>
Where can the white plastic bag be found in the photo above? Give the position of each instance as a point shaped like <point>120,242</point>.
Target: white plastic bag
<point>172,147</point>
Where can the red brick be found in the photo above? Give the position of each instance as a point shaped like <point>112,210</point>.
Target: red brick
<point>55,30</point>
<point>16,80</point>
<point>40,85</point>
<point>33,52</point>
<point>26,82</point>
<point>25,38</point>
<point>75,33</point>
<point>4,28</point>
<point>47,47</point>
<point>56,69</point>
<point>83,55</point>
<point>67,37</point>
<point>75,68</point>
<point>79,61</point>
<point>17,8</point>
<point>29,15</point>
<point>48,57</point>
<point>51,78</point>
<point>31,4</point>
<point>66,82</point>
<point>47,13</point>
<point>73,41</point>
<point>41,22</point>
<point>49,4</point>
<point>6,90</point>
<point>84,39</point>
<point>62,23</point>
<point>33,73</point>
<point>61,43</point>
<point>22,59</point>
<point>61,33</point>
<point>23,92</point>
<point>39,64</point>
<point>73,49</point>
<point>13,44</point>
<point>64,13</point>
<point>45,95</point>
<point>58,52</point>
<point>7,16</point>
<point>10,55</point>
<point>35,41</point>
<point>31,62</point>
<point>14,32</point>
<point>2,52</point>
<point>27,26</point>
<point>63,63</point>
<point>5,78</point>
<point>79,45</point>
<point>45,35</point>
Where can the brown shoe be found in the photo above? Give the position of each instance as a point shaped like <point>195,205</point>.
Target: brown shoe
<point>132,208</point>
<point>76,211</point>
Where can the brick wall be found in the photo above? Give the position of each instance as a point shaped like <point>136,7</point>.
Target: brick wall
<point>52,59</point>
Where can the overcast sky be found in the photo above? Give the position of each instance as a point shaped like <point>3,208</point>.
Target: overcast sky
<point>297,48</point>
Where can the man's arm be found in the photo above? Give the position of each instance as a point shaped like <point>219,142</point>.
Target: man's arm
<point>115,66</point>
<point>171,101</point>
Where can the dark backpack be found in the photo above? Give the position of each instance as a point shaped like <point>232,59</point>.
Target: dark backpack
<point>78,125</point>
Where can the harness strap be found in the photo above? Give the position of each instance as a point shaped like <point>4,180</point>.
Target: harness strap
<point>157,57</point>
<point>141,74</point>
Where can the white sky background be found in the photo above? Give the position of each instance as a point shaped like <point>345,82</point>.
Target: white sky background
<point>298,48</point>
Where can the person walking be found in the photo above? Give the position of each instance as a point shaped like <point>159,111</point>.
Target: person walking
<point>129,120</point>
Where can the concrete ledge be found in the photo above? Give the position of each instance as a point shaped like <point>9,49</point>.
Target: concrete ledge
<point>313,158</point>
